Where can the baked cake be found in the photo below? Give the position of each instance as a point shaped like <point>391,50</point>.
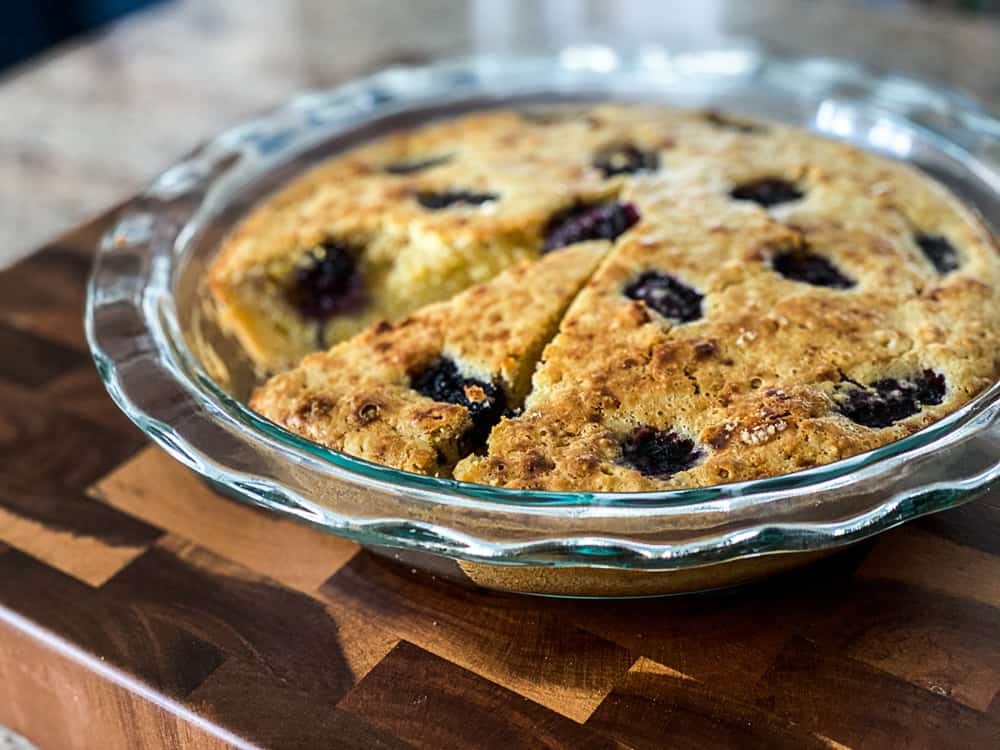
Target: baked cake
<point>722,300</point>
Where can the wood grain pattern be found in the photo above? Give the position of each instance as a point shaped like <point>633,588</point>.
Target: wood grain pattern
<point>84,557</point>
<point>975,525</point>
<point>39,440</point>
<point>483,633</point>
<point>650,704</point>
<point>45,359</point>
<point>284,715</point>
<point>295,555</point>
<point>229,622</point>
<point>914,557</point>
<point>45,295</point>
<point>863,707</point>
<point>63,704</point>
<point>431,703</point>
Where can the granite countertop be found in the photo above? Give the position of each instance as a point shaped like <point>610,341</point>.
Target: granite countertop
<point>86,126</point>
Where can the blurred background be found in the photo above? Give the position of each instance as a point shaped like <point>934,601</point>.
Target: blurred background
<point>29,27</point>
<point>98,96</point>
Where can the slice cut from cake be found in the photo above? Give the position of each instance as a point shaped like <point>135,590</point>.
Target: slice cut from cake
<point>420,394</point>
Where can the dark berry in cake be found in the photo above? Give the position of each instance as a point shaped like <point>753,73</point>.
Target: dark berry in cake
<point>931,387</point>
<point>939,251</point>
<point>486,402</point>
<point>724,122</point>
<point>326,282</point>
<point>666,295</point>
<point>658,453</point>
<point>625,158</point>
<point>436,201</point>
<point>602,221</point>
<point>810,268</point>
<point>887,401</point>
<point>767,191</point>
<point>412,167</point>
<point>873,408</point>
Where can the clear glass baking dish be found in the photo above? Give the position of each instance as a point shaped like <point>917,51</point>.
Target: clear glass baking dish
<point>170,369</point>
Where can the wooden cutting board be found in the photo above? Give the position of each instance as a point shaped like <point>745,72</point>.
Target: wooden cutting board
<point>139,609</point>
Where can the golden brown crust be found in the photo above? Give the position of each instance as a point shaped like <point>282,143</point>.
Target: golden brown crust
<point>754,383</point>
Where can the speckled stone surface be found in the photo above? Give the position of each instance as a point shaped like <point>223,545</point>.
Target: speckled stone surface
<point>87,125</point>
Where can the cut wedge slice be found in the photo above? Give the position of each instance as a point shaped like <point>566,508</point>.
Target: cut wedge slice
<point>421,394</point>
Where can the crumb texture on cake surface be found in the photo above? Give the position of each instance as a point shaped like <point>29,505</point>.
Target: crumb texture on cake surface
<point>718,300</point>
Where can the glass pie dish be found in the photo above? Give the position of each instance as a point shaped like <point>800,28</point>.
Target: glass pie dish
<point>165,362</point>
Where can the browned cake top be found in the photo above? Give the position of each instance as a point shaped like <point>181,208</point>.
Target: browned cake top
<point>771,300</point>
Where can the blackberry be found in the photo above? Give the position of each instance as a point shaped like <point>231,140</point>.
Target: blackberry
<point>602,221</point>
<point>436,201</point>
<point>887,401</point>
<point>441,381</point>
<point>767,191</point>
<point>658,453</point>
<point>327,282</point>
<point>939,251</point>
<point>666,295</point>
<point>810,268</point>
<point>625,158</point>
